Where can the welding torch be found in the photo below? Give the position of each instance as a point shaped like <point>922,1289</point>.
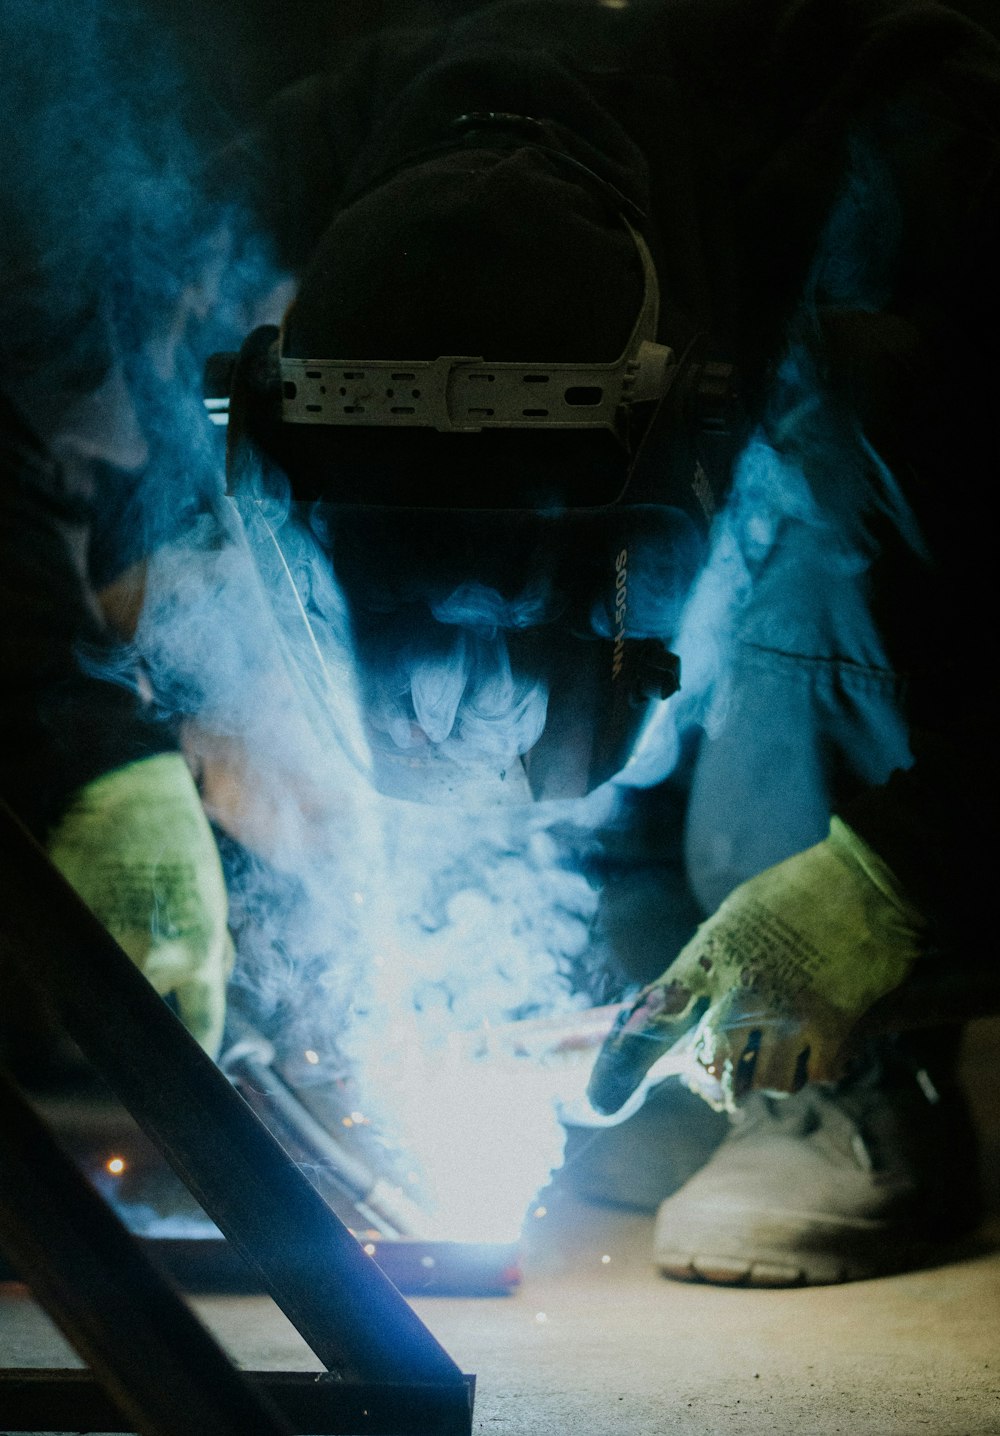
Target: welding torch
<point>249,1063</point>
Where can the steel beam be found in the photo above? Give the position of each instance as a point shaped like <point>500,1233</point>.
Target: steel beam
<point>348,1312</point>
<point>158,1367</point>
<point>313,1403</point>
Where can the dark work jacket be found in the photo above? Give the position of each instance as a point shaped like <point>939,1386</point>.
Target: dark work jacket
<point>738,125</point>
<point>731,122</point>
<point>63,719</point>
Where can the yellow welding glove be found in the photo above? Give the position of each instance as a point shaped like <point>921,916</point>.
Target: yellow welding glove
<point>787,965</point>
<point>137,847</point>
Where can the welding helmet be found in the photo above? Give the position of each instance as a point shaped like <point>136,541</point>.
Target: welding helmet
<point>469,405</point>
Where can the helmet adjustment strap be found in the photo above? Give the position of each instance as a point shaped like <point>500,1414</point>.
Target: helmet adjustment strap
<point>466,394</point>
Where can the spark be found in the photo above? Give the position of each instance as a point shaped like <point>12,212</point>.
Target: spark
<point>369,1247</point>
<point>115,1165</point>
<point>541,1318</point>
<point>311,1056</point>
<point>540,1212</point>
<point>605,1259</point>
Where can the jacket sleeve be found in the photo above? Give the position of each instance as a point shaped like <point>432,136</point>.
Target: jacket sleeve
<point>787,77</point>
<point>61,724</point>
<point>934,822</point>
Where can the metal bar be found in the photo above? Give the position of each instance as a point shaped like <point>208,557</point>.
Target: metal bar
<point>160,1370</point>
<point>351,1315</point>
<point>419,1268</point>
<point>313,1404</point>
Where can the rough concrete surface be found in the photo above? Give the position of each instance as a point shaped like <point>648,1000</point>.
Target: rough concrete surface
<point>595,1347</point>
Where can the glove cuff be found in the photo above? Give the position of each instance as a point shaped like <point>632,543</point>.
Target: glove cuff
<point>854,852</point>
<point>164,777</point>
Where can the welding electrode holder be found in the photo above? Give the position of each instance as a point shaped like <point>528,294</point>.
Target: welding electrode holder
<point>249,1062</point>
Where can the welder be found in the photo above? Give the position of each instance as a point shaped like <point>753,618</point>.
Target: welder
<point>572,283</point>
<point>594,303</point>
<point>88,765</point>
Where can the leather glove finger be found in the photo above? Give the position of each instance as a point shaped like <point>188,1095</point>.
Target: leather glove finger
<point>660,1015</point>
<point>781,1065</point>
<point>824,1057</point>
<point>743,1043</point>
<point>749,1044</point>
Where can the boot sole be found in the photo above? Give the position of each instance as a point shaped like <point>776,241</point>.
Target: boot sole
<point>792,1253</point>
<point>741,1271</point>
<point>788,1269</point>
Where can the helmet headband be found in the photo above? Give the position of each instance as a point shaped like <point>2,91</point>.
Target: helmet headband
<point>462,394</point>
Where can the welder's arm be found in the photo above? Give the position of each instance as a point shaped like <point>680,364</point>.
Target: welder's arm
<point>137,847</point>
<point>82,762</point>
<point>65,715</point>
<point>768,990</point>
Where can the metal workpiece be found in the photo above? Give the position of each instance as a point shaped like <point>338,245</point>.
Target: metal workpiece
<point>161,1372</point>
<point>312,1403</point>
<point>340,1302</point>
<point>419,1268</point>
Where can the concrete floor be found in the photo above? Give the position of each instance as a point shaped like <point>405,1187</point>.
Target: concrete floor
<point>593,1347</point>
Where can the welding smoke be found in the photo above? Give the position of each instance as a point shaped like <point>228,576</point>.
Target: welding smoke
<point>366,931</point>
<point>123,263</point>
<point>808,490</point>
<point>370,931</point>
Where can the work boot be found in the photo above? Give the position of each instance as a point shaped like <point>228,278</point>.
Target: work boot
<point>838,1183</point>
<point>640,1161</point>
